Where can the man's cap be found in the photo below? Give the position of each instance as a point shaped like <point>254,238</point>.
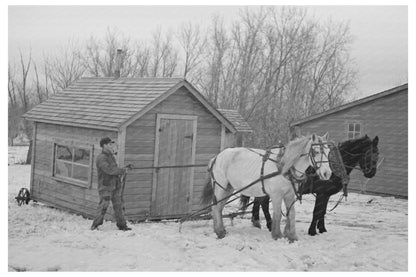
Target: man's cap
<point>105,140</point>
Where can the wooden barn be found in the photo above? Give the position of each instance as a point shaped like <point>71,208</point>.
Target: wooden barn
<point>156,122</point>
<point>384,114</point>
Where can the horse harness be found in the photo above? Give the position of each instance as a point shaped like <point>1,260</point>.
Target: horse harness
<point>290,175</point>
<point>368,157</point>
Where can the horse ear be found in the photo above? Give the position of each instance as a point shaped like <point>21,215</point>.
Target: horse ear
<point>325,137</point>
<point>313,136</point>
<point>375,141</point>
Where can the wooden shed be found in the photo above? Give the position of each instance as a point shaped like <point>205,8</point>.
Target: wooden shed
<point>241,126</point>
<point>155,121</point>
<point>384,114</point>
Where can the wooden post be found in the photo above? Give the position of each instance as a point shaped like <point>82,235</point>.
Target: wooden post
<point>121,141</point>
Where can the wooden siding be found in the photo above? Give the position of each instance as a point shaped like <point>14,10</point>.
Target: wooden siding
<point>140,149</point>
<point>58,193</point>
<point>386,117</point>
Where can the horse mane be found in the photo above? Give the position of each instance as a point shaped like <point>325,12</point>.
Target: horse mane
<point>294,150</point>
<point>356,145</point>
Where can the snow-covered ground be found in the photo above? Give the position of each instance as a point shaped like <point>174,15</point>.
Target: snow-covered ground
<point>366,233</point>
<point>17,154</point>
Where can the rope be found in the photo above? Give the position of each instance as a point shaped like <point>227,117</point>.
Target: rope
<point>336,205</point>
<point>183,219</point>
<point>170,166</point>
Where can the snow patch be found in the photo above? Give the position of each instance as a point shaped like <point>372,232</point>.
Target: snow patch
<point>366,233</point>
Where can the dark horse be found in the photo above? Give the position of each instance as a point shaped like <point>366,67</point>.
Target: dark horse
<point>362,152</point>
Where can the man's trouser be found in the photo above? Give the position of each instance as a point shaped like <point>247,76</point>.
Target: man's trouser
<point>115,197</point>
<point>264,203</point>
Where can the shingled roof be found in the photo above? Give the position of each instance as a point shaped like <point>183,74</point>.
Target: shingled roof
<point>108,103</point>
<point>237,120</point>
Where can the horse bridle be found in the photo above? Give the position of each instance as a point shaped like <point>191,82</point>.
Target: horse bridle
<point>312,155</point>
<point>369,157</point>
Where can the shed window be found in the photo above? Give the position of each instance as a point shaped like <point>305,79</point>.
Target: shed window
<point>354,130</point>
<point>72,163</point>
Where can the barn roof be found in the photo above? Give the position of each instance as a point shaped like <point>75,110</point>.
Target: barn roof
<point>351,104</point>
<point>109,104</point>
<point>237,120</point>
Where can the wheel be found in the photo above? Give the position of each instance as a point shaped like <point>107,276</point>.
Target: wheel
<point>23,197</point>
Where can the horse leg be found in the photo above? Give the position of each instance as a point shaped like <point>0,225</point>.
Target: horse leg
<point>317,211</point>
<point>321,220</point>
<point>218,222</point>
<point>277,216</point>
<point>217,212</point>
<point>290,229</point>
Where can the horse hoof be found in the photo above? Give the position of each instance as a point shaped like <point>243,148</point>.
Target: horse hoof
<point>276,237</point>
<point>312,232</point>
<point>322,230</point>
<point>292,240</point>
<point>256,223</point>
<point>221,235</point>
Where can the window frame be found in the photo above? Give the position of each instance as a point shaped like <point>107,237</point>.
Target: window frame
<point>73,145</point>
<point>354,131</point>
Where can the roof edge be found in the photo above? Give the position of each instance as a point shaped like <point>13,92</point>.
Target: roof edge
<point>351,104</point>
<point>73,124</point>
<point>210,108</point>
<point>194,92</point>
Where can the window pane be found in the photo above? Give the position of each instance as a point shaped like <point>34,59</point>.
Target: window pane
<point>357,134</point>
<point>351,127</point>
<point>63,153</point>
<point>80,173</point>
<point>63,168</point>
<point>350,135</point>
<point>357,127</point>
<point>82,156</point>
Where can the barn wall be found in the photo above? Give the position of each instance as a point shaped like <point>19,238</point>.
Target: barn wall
<point>61,194</point>
<point>386,117</point>
<point>140,148</point>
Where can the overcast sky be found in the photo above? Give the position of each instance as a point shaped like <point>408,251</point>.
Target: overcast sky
<point>379,48</point>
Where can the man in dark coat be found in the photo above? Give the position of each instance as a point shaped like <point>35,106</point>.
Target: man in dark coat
<point>109,186</point>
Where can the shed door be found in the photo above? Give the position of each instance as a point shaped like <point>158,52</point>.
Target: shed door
<point>172,188</point>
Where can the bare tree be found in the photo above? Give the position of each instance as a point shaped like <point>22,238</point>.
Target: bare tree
<point>11,87</point>
<point>275,66</point>
<point>164,57</point>
<point>13,107</point>
<point>218,44</point>
<point>67,66</point>
<point>39,89</point>
<point>192,43</point>
<point>23,92</point>
<point>99,56</point>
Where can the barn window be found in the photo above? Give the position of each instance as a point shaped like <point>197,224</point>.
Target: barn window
<point>354,130</point>
<point>72,163</point>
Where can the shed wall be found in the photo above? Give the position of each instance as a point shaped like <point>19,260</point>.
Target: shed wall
<point>140,149</point>
<point>386,117</point>
<point>58,193</point>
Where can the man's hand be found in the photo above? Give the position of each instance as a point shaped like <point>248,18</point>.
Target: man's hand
<point>129,166</point>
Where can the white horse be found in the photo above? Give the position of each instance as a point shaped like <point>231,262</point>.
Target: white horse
<point>235,168</point>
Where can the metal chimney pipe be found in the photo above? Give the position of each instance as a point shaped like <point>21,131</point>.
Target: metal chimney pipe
<point>118,64</point>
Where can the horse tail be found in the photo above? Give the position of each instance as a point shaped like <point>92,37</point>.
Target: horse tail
<point>244,202</point>
<point>207,193</point>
